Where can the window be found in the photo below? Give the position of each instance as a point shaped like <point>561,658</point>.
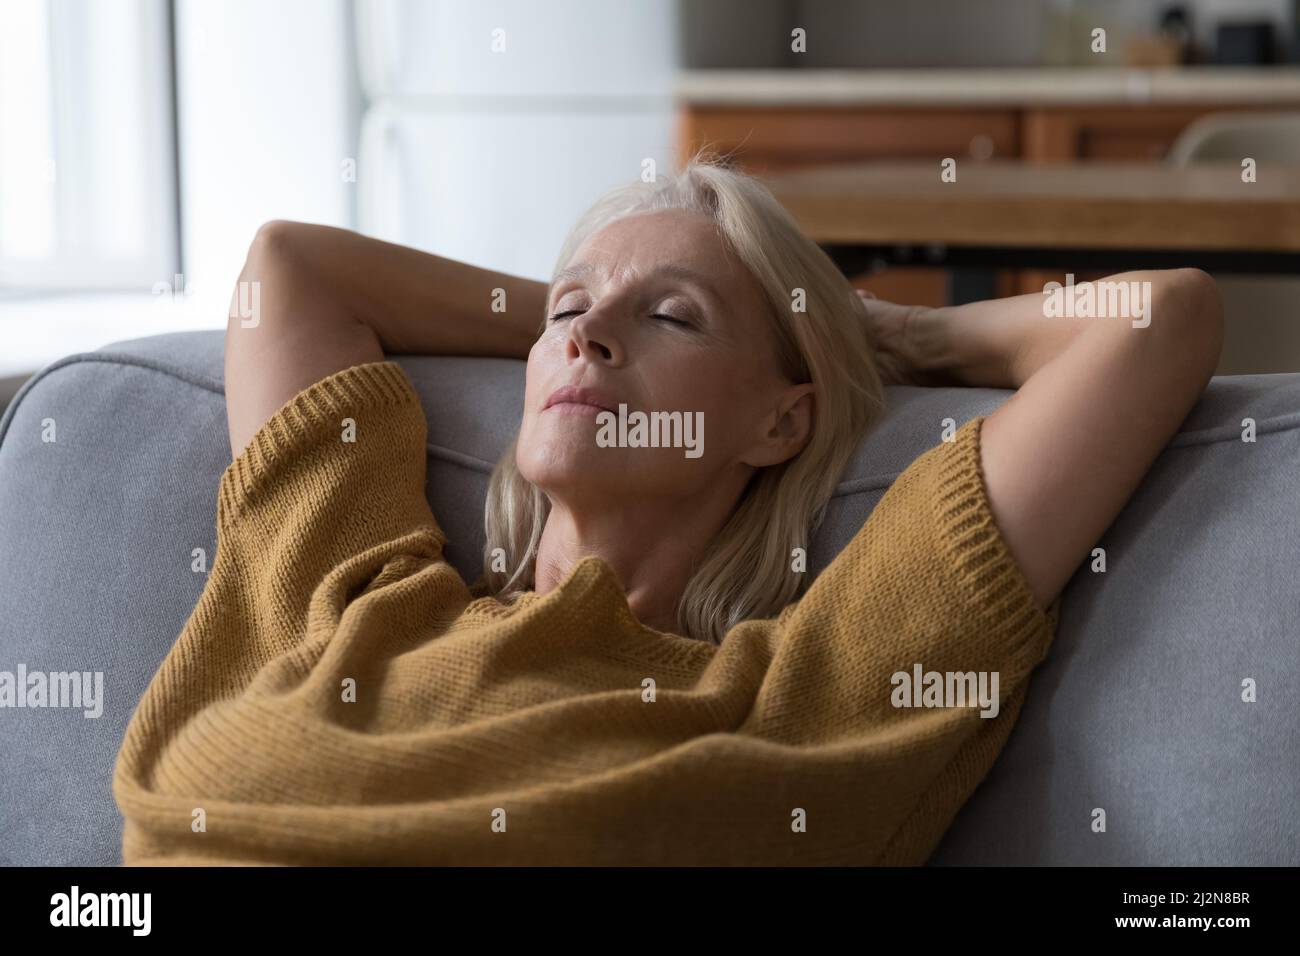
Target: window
<point>87,149</point>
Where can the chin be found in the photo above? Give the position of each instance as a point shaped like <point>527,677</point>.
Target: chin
<point>563,462</point>
<point>594,479</point>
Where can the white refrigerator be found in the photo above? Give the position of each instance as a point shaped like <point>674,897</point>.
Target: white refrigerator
<point>490,126</point>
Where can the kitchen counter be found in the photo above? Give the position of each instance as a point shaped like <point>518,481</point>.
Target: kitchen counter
<point>1070,86</point>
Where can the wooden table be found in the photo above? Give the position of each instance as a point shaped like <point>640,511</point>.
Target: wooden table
<point>1075,216</point>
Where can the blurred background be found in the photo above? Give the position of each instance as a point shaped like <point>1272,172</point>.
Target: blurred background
<point>142,142</point>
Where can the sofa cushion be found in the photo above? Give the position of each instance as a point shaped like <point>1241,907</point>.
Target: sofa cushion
<point>1138,709</point>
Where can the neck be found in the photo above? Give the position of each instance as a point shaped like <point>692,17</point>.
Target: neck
<point>653,567</point>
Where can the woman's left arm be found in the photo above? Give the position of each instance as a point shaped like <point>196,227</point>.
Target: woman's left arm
<point>1098,399</point>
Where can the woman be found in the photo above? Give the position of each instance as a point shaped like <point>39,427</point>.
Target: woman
<point>636,678</point>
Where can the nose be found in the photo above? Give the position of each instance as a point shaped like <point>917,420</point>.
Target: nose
<point>592,337</point>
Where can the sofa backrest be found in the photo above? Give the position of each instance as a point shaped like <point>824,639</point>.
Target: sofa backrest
<point>1138,709</point>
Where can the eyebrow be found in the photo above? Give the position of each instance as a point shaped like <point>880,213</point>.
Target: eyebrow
<point>681,273</point>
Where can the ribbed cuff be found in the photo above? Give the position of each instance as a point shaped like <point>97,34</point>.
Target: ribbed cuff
<point>300,422</point>
<point>994,584</point>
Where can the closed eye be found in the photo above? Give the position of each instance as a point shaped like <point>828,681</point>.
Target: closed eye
<point>667,318</point>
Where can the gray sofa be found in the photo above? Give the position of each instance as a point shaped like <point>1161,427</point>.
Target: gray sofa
<point>1138,710</point>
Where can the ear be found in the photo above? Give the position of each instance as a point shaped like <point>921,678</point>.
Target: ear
<point>787,430</point>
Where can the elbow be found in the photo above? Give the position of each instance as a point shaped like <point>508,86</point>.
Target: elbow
<point>1200,295</point>
<point>275,250</point>
<point>1192,310</point>
<point>272,258</point>
<point>275,242</point>
<point>1205,309</point>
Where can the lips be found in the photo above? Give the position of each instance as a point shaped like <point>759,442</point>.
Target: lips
<point>572,395</point>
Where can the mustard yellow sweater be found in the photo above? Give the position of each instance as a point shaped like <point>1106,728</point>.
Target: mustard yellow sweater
<point>338,695</point>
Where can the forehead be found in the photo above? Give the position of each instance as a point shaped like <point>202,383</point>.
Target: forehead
<point>671,242</point>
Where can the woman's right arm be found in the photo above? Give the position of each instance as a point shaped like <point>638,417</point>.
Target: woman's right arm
<point>313,300</point>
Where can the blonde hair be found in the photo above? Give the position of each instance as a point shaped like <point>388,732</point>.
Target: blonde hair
<point>746,572</point>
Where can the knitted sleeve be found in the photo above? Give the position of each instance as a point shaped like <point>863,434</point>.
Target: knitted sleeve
<point>330,488</point>
<point>926,587</point>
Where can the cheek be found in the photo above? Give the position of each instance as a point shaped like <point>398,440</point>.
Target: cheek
<point>534,383</point>
<point>540,377</point>
<point>537,372</point>
<point>726,396</point>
